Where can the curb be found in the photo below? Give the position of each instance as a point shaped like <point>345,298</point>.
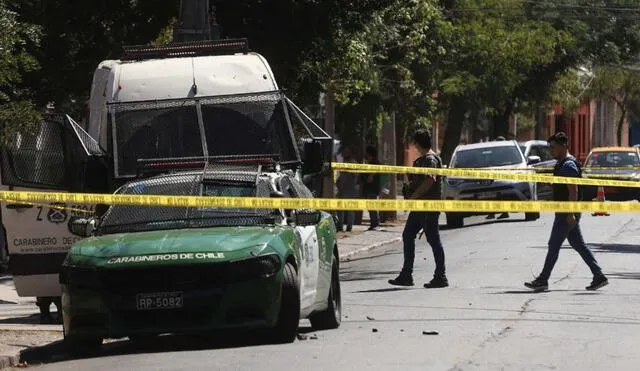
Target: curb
<point>9,361</point>
<point>348,256</point>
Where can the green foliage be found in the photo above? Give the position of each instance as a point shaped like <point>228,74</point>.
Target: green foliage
<point>16,111</point>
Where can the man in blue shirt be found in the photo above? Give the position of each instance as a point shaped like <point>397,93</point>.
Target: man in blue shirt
<point>566,225</point>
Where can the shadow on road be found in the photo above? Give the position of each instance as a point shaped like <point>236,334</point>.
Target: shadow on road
<point>483,223</point>
<point>602,248</point>
<point>615,248</point>
<point>355,275</point>
<point>517,292</point>
<point>57,351</point>
<point>390,289</point>
<point>33,319</point>
<point>624,275</point>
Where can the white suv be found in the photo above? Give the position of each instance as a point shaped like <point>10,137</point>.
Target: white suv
<point>483,155</point>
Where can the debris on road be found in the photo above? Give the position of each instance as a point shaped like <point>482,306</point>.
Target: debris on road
<point>374,330</point>
<point>370,318</point>
<point>430,332</point>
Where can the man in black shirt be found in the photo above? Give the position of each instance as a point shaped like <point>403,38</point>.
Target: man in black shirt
<point>566,225</point>
<point>423,187</point>
<point>371,185</point>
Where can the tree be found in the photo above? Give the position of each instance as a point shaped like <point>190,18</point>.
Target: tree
<point>72,46</point>
<point>17,112</point>
<point>620,85</point>
<point>491,58</point>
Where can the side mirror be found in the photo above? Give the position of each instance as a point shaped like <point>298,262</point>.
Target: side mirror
<point>306,217</point>
<point>533,160</point>
<point>313,160</point>
<point>82,227</point>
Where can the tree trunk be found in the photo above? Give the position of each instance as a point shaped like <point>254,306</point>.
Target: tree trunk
<point>623,114</point>
<point>453,130</point>
<point>501,122</point>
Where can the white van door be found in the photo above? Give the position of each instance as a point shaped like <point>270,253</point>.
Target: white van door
<point>37,236</point>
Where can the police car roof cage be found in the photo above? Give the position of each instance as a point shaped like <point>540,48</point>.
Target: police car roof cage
<point>156,166</point>
<point>185,49</point>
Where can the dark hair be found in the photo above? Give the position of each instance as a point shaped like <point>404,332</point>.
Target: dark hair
<point>501,138</point>
<point>422,138</point>
<point>559,138</point>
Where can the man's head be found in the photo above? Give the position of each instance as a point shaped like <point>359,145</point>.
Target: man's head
<point>371,152</point>
<point>558,145</point>
<point>422,140</point>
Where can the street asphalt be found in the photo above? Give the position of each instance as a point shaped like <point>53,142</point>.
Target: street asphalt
<point>485,320</point>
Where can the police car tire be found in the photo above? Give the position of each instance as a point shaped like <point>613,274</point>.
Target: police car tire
<point>286,328</point>
<point>331,317</point>
<point>454,221</point>
<point>82,345</point>
<point>531,216</point>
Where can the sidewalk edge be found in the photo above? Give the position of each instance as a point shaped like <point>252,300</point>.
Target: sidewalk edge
<point>7,361</point>
<point>348,256</point>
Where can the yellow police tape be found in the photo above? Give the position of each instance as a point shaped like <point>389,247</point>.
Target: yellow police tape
<point>318,203</point>
<point>524,175</point>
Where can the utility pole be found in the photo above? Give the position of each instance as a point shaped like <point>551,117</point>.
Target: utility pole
<point>328,183</point>
<point>195,23</point>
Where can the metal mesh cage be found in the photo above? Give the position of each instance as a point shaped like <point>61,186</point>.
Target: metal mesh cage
<point>215,180</point>
<point>35,158</point>
<point>232,125</point>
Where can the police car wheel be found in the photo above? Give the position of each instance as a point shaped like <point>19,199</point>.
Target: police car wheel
<point>331,317</point>
<point>82,345</point>
<point>286,328</point>
<point>531,216</point>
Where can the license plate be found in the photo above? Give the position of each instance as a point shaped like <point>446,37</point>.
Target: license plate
<point>486,195</point>
<point>161,300</point>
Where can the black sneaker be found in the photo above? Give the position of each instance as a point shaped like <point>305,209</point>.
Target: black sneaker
<point>437,282</point>
<point>538,284</point>
<point>598,282</point>
<point>402,280</point>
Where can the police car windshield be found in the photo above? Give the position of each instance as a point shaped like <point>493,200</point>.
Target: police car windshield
<point>613,159</point>
<point>125,219</point>
<point>488,157</point>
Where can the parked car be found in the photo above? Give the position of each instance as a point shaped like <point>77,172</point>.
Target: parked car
<point>622,163</point>
<point>483,155</point>
<point>145,271</point>
<point>540,148</point>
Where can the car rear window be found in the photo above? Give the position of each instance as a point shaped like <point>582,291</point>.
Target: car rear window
<point>613,159</point>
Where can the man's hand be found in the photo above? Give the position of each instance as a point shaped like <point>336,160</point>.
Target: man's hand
<point>571,219</point>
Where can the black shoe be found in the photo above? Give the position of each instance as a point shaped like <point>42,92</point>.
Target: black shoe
<point>503,216</point>
<point>491,216</point>
<point>598,282</point>
<point>402,280</point>
<point>538,284</point>
<point>373,228</point>
<point>437,282</point>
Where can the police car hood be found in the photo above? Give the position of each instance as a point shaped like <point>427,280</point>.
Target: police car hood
<point>219,243</point>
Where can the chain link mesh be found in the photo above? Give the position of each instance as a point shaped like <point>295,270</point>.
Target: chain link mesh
<point>35,158</point>
<point>233,125</point>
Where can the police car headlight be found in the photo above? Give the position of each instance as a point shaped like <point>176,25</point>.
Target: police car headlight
<point>261,266</point>
<point>79,276</point>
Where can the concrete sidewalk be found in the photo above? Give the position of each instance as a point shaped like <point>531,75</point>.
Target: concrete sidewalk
<point>20,328</point>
